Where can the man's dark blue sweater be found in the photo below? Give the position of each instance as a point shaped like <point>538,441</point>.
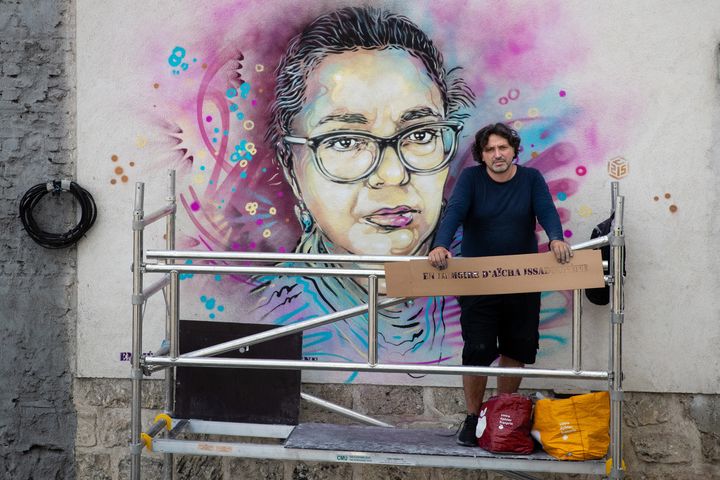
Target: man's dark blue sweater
<point>499,218</point>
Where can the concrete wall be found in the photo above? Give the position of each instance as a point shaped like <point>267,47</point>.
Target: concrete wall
<point>611,79</point>
<point>37,286</point>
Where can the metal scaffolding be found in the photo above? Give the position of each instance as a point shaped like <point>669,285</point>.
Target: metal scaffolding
<point>389,447</point>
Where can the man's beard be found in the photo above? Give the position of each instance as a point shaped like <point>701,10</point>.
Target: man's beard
<point>504,168</point>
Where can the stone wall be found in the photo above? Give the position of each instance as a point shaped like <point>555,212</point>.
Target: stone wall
<point>665,436</point>
<point>37,286</point>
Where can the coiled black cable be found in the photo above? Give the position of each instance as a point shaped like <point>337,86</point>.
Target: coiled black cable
<point>57,240</point>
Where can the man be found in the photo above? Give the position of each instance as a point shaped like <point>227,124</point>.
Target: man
<point>497,203</point>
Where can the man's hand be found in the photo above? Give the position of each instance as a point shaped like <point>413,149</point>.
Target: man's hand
<point>562,251</point>
<point>438,257</point>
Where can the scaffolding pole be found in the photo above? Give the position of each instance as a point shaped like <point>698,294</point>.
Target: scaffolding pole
<point>617,307</point>
<point>136,373</point>
<point>168,458</point>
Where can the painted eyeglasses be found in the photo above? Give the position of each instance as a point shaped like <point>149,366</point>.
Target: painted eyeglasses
<point>348,156</point>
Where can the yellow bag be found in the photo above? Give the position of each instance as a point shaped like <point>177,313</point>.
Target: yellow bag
<point>575,428</point>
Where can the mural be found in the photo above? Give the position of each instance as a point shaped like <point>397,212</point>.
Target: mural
<point>328,128</point>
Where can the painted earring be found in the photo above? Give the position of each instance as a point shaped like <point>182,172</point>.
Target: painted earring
<point>304,217</point>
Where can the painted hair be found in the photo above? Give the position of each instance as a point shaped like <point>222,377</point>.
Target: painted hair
<point>346,30</point>
<point>500,129</point>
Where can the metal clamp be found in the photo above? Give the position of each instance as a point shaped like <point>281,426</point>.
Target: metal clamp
<point>168,420</point>
<point>617,395</point>
<point>138,299</point>
<point>138,224</point>
<point>617,318</point>
<point>147,441</point>
<point>162,420</point>
<point>617,240</point>
<point>136,448</point>
<point>142,268</point>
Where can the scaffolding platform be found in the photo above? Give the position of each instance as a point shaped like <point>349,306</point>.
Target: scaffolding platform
<point>367,445</point>
<point>404,446</point>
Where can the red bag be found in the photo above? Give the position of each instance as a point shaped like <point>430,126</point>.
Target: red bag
<point>504,424</point>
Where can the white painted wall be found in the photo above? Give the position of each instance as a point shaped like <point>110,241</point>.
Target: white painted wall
<point>659,57</point>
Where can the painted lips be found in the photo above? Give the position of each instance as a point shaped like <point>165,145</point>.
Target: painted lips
<point>392,218</point>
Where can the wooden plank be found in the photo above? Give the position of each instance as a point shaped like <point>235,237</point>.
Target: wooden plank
<point>537,272</point>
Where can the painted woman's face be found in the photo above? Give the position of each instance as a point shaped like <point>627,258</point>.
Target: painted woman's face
<point>381,208</point>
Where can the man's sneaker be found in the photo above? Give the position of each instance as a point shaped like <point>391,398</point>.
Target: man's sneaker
<point>466,435</point>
